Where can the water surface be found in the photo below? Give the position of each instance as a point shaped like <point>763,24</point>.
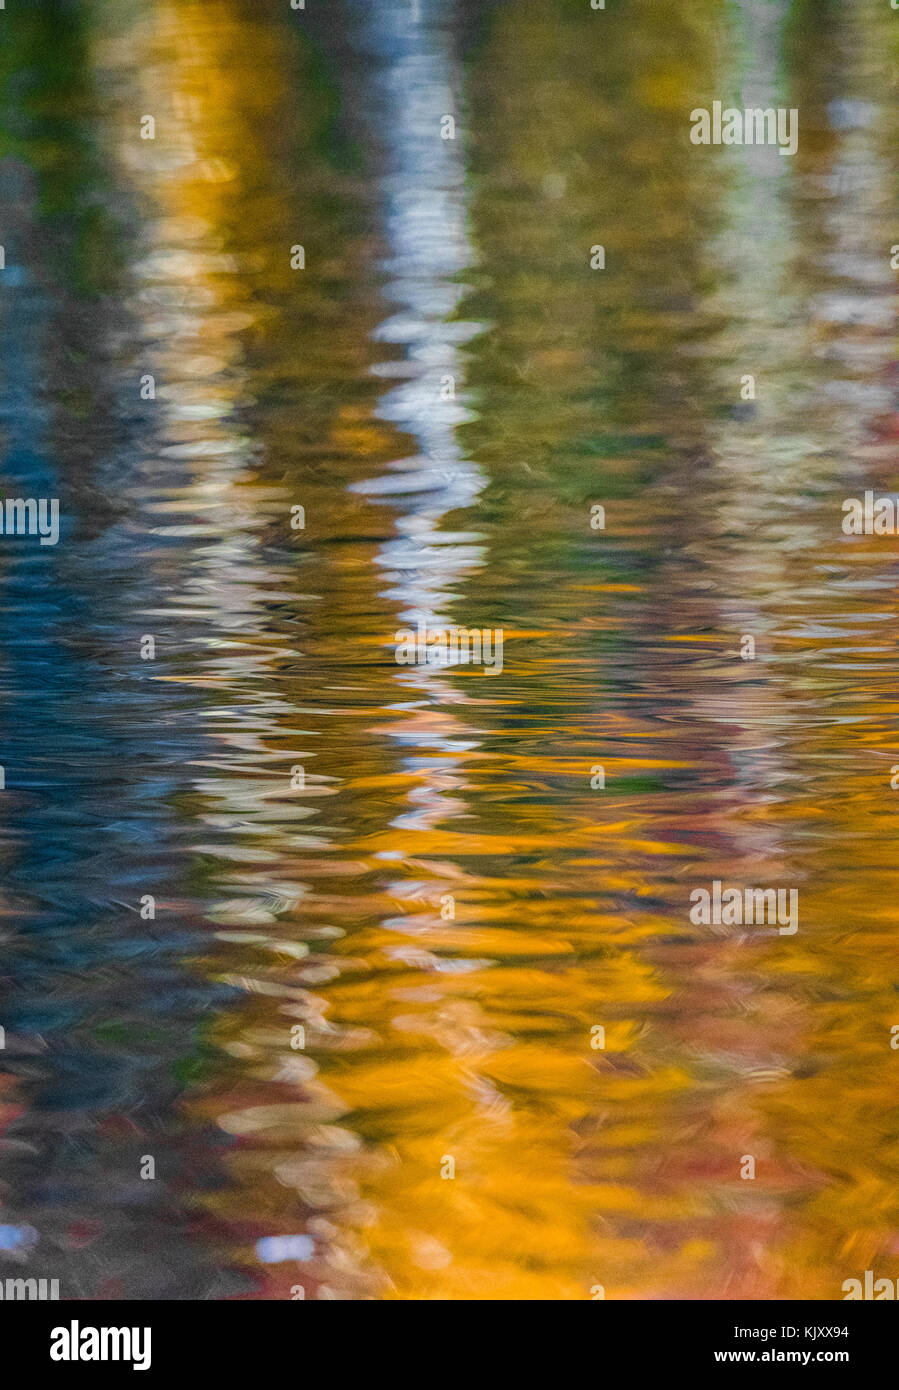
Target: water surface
<point>298,805</point>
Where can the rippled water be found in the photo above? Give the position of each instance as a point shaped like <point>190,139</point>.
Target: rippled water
<point>304,1035</point>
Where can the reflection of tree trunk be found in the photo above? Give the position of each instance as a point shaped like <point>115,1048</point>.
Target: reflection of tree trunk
<point>270,335</point>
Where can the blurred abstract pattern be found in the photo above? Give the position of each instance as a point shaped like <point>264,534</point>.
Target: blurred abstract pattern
<point>328,939</point>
